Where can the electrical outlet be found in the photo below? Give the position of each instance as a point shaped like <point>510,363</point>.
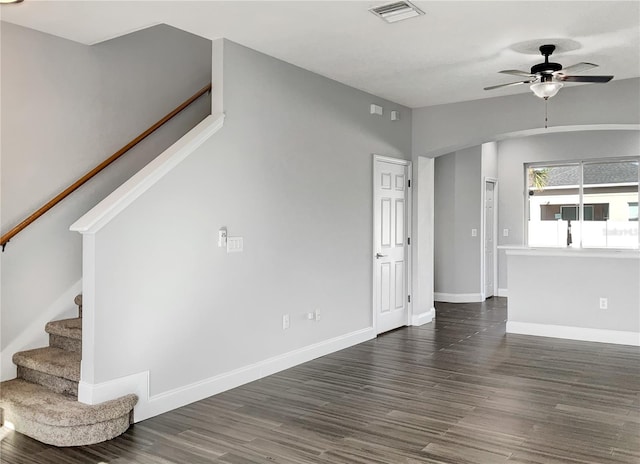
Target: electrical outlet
<point>505,232</point>
<point>285,322</point>
<point>604,303</point>
<point>317,314</point>
<point>235,244</point>
<point>474,232</point>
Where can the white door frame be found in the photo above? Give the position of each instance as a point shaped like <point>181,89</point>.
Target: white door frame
<point>408,215</point>
<point>494,181</point>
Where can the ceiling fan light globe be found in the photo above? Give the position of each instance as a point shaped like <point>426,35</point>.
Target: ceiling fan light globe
<point>546,90</point>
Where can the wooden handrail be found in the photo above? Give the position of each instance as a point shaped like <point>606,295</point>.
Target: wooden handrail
<point>77,184</point>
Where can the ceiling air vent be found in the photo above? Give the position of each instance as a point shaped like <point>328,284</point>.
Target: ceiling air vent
<point>397,11</point>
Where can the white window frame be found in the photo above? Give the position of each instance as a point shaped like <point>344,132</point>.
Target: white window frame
<point>580,164</point>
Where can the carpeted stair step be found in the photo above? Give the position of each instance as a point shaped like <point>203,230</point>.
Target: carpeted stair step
<point>53,383</point>
<point>54,368</point>
<point>60,420</point>
<point>65,334</point>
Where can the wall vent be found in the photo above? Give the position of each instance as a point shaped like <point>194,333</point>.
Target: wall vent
<point>397,11</point>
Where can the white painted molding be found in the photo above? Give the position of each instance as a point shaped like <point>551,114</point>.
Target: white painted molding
<point>423,318</point>
<point>98,393</point>
<point>142,181</point>
<point>572,252</point>
<point>503,292</point>
<point>34,335</point>
<point>149,406</point>
<point>458,297</point>
<point>574,333</point>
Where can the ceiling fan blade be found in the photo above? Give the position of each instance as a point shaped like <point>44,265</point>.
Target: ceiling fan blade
<point>596,79</point>
<point>515,72</point>
<point>578,67</point>
<point>508,85</point>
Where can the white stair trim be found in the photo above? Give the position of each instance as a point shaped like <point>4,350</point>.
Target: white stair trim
<point>34,335</point>
<point>123,196</point>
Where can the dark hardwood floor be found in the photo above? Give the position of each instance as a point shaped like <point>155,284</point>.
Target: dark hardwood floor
<point>456,391</point>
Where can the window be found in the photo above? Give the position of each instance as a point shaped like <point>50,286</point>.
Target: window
<point>633,211</point>
<point>583,204</point>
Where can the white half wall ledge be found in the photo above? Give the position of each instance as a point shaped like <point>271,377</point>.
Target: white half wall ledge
<point>150,406</point>
<point>622,253</point>
<point>143,180</point>
<point>574,333</point>
<point>423,318</point>
<point>458,297</point>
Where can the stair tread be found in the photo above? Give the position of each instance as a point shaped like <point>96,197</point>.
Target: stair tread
<point>37,403</point>
<point>71,328</point>
<point>50,360</point>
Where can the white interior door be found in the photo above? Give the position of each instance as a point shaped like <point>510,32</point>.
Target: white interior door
<point>390,244</point>
<point>489,238</point>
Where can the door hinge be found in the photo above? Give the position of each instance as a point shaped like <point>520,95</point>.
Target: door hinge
<point>409,182</point>
<point>408,240</point>
<point>409,298</point>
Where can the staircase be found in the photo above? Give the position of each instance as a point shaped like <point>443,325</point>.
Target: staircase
<point>43,401</point>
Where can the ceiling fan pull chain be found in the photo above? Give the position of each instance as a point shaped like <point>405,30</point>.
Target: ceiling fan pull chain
<point>546,102</point>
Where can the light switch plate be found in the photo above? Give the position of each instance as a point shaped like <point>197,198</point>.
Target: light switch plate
<point>376,109</point>
<point>235,244</point>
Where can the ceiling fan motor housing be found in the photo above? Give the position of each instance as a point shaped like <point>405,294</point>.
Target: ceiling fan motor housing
<point>546,68</point>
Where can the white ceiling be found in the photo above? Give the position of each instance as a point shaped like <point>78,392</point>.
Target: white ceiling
<point>447,55</point>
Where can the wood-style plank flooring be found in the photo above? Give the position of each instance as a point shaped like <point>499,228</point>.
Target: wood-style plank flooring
<point>456,391</point>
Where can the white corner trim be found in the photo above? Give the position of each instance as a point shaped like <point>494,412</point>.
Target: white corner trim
<point>98,393</point>
<point>458,297</point>
<point>423,318</point>
<point>144,179</point>
<point>34,336</point>
<point>503,292</point>
<point>149,406</point>
<point>574,333</point>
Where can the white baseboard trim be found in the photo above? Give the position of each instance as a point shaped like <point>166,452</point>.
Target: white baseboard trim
<point>137,383</point>
<point>423,318</point>
<point>34,335</point>
<point>458,297</point>
<point>575,333</point>
<point>149,406</point>
<point>503,292</point>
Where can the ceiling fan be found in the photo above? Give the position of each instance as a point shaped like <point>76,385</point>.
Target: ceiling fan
<point>547,78</point>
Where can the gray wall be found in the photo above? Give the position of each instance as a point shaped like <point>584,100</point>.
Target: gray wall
<point>458,182</point>
<point>513,154</point>
<point>442,129</point>
<point>291,172</point>
<point>566,291</point>
<point>66,107</point>
<point>446,128</point>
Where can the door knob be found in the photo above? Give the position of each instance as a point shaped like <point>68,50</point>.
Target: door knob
<point>378,256</point>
